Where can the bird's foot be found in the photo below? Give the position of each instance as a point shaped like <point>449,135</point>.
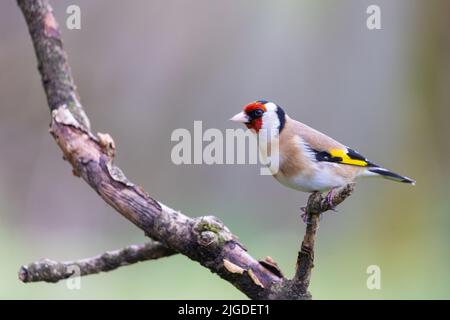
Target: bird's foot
<point>304,215</point>
<point>329,199</point>
<point>306,218</point>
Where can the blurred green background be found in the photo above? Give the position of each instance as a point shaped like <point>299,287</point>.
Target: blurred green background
<point>145,68</point>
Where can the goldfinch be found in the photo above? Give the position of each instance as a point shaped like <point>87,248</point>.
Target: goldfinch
<point>309,160</point>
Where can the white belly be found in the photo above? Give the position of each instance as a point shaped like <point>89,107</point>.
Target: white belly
<point>321,179</point>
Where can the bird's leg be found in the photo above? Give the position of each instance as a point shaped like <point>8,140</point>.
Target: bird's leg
<point>329,199</point>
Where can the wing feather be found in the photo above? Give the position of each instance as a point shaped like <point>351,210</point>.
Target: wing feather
<point>343,156</point>
<point>328,149</point>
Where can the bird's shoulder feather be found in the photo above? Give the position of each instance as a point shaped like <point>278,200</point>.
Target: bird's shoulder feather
<point>322,147</point>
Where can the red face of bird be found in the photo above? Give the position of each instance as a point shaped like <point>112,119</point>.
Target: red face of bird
<point>261,114</point>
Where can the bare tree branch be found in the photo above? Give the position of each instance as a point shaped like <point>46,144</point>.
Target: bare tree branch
<point>204,239</point>
<point>52,271</point>
<point>317,204</point>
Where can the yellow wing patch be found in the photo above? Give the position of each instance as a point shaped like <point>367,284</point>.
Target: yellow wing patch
<point>346,159</point>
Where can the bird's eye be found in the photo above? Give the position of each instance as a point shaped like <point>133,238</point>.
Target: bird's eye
<point>257,113</point>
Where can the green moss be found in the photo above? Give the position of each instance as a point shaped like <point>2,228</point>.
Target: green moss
<point>212,224</point>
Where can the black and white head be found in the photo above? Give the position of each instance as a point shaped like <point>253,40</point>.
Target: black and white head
<point>262,114</point>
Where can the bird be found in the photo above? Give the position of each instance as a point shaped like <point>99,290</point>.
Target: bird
<point>308,160</point>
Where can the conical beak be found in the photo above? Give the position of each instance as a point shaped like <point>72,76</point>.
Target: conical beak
<point>240,117</point>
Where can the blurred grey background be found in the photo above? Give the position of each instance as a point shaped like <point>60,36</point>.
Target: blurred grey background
<point>145,68</point>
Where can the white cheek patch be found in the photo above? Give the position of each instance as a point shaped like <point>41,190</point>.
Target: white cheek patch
<point>270,117</point>
<point>270,106</point>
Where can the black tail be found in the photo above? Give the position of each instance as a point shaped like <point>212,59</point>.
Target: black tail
<point>385,173</point>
